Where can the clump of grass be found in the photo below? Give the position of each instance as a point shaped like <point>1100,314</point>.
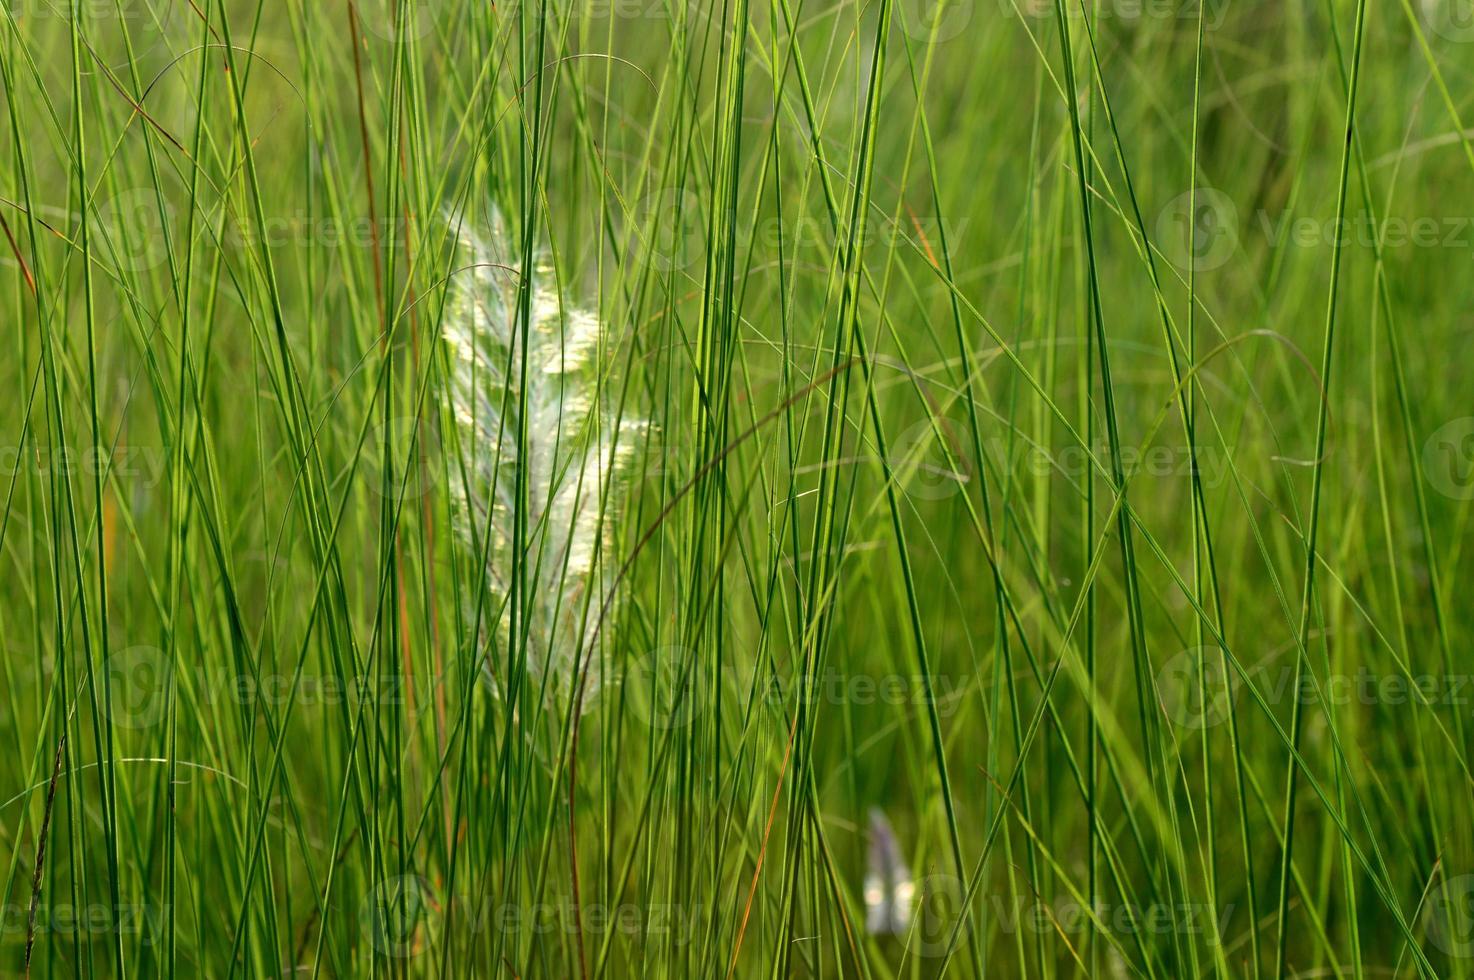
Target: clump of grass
<point>1051,567</point>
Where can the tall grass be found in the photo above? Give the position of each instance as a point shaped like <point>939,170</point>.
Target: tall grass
<point>559,488</point>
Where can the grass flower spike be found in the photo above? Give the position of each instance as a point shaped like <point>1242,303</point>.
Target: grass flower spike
<point>574,457</point>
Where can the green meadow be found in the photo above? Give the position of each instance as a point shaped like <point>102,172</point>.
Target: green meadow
<point>758,488</point>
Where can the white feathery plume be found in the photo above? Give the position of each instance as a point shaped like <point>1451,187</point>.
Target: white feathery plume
<point>576,454</point>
